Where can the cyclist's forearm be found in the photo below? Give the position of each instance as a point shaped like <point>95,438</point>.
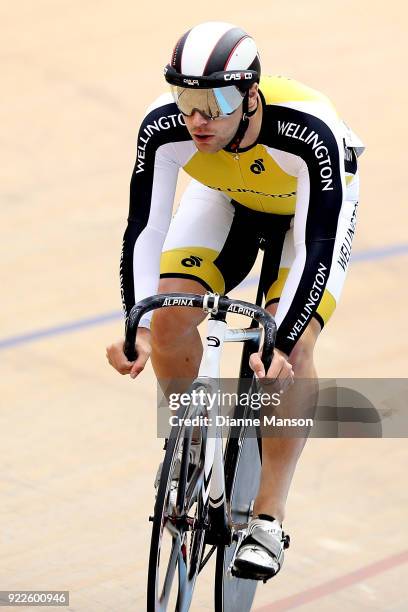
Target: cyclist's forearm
<point>140,264</point>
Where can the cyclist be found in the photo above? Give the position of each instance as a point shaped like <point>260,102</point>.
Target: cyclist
<point>267,156</point>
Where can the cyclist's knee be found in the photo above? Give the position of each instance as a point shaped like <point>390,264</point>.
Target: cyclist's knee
<point>171,325</point>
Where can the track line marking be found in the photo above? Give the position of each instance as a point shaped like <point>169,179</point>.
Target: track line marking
<point>59,329</point>
<point>327,588</point>
<point>26,338</point>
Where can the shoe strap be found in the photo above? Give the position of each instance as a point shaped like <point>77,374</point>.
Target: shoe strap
<point>267,541</point>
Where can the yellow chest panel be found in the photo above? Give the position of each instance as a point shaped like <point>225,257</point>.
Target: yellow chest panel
<point>252,178</point>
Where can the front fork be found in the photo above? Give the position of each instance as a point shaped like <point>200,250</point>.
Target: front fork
<point>213,488</point>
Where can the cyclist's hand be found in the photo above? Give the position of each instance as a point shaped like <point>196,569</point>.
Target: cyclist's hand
<point>120,362</point>
<point>280,371</point>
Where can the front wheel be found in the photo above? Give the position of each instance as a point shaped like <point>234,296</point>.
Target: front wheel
<point>179,522</point>
<point>233,593</point>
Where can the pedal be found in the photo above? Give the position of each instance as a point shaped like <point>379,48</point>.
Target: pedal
<point>151,519</point>
<point>238,536</point>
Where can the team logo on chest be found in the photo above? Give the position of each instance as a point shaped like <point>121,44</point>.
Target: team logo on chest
<point>190,262</point>
<point>257,167</point>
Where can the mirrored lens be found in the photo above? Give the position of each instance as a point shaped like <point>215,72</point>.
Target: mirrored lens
<point>214,103</point>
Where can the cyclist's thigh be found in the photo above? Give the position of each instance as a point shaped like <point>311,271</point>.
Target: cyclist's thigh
<point>180,285</point>
<point>207,241</point>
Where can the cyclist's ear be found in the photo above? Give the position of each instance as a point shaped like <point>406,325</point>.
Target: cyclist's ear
<point>253,92</point>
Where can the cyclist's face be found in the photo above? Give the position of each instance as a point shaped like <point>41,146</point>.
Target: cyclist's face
<point>211,136</point>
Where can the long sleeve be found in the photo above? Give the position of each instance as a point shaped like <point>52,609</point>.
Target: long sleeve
<point>152,190</point>
<point>318,146</point>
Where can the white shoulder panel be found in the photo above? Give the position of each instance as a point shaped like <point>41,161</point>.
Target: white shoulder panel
<point>183,151</point>
<point>162,100</point>
<point>318,109</point>
<point>288,162</point>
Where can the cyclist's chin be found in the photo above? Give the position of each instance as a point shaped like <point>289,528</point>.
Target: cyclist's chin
<point>209,145</point>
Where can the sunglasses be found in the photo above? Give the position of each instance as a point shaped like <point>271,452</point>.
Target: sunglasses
<point>214,103</point>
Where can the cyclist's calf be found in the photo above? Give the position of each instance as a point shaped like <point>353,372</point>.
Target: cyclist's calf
<point>176,347</point>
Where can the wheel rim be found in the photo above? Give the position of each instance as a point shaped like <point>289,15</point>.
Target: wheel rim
<point>178,535</point>
<point>233,593</point>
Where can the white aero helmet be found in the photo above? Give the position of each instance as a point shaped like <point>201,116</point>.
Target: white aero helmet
<point>212,67</point>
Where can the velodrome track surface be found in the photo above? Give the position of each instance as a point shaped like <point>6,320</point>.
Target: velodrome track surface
<point>79,450</point>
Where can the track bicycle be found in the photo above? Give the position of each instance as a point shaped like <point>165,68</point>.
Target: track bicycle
<point>206,508</point>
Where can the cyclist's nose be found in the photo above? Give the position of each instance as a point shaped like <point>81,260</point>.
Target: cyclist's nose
<point>198,119</point>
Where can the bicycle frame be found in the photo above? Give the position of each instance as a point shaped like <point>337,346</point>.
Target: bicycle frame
<point>214,478</point>
<point>214,525</point>
<point>209,372</point>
